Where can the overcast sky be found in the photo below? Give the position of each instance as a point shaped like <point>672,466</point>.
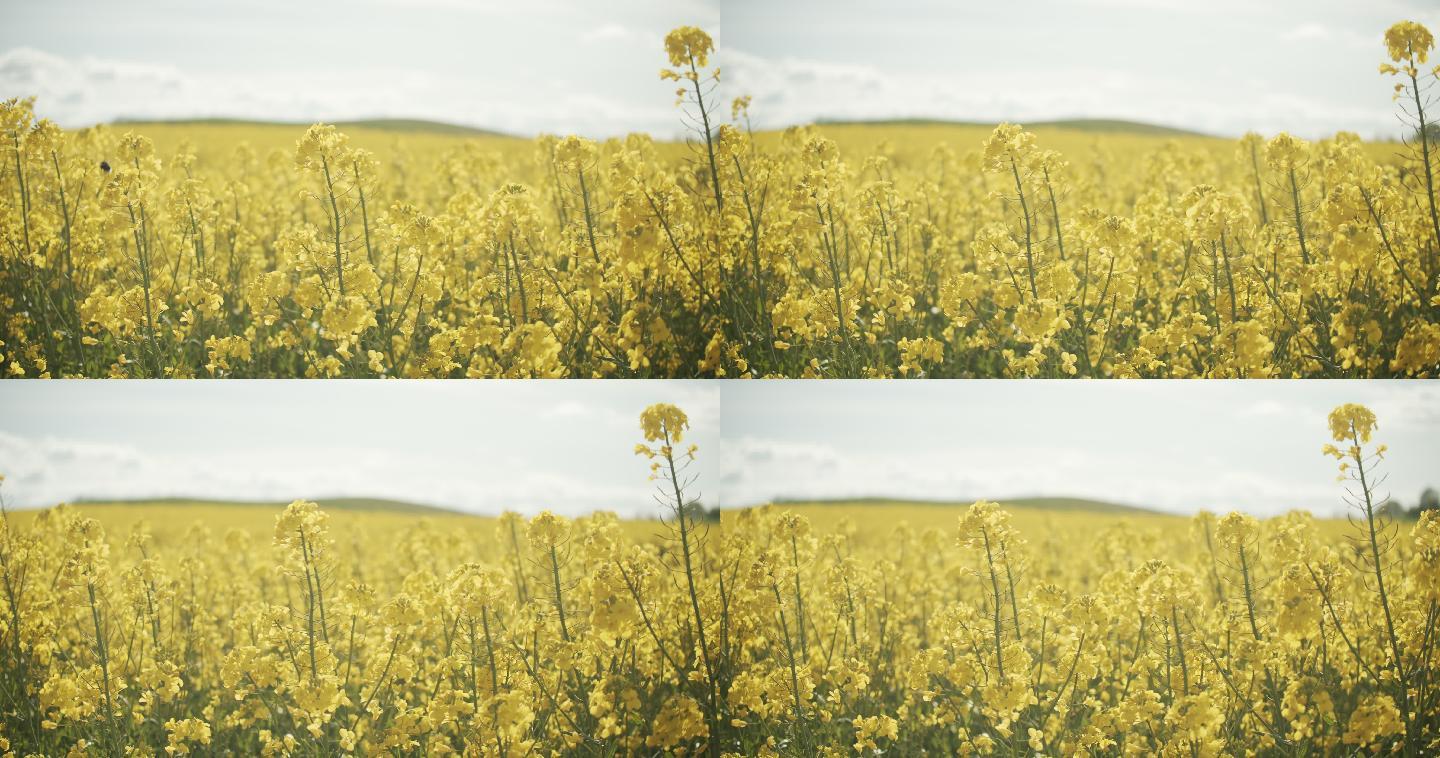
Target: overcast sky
<point>1173,445</point>
<point>1219,66</point>
<point>520,66</point>
<point>477,446</point>
<point>568,446</point>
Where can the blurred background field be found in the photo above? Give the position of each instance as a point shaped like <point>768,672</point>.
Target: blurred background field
<point>359,524</point>
<point>1085,142</point>
<point>1056,522</point>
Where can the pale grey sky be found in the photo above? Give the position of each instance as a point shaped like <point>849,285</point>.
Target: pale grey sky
<point>568,446</point>
<point>526,66</point>
<point>1173,445</point>
<point>1218,66</point>
<point>476,446</point>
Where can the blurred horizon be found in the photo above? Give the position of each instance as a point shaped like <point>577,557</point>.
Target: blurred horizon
<point>1173,446</point>
<point>563,67</point>
<point>479,448</point>
<point>556,66</point>
<point>1223,68</point>
<point>568,446</point>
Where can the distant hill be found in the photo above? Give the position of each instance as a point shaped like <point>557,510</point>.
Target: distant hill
<point>1037,503</point>
<point>422,126</point>
<point>402,125</point>
<point>1075,124</point>
<point>334,503</point>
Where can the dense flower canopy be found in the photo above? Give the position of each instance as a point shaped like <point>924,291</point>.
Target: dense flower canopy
<point>801,630</point>
<point>819,251</point>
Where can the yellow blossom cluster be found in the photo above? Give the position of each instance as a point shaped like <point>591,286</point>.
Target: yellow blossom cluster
<point>819,251</point>
<point>486,256</point>
<point>130,630</point>
<point>865,630</point>
<point>807,630</point>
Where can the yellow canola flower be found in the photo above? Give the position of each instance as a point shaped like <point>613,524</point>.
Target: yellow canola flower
<point>819,251</point>
<point>896,628</point>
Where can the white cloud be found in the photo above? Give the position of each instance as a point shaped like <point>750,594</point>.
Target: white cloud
<point>487,7</point>
<point>1402,405</point>
<point>756,470</point>
<point>1212,7</point>
<point>612,32</point>
<point>474,446</point>
<point>1269,407</point>
<point>81,91</point>
<point>792,90</point>
<point>577,412</point>
<point>1173,446</point>
<point>47,470</point>
<point>1406,404</point>
<point>1323,37</point>
<point>1311,31</point>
